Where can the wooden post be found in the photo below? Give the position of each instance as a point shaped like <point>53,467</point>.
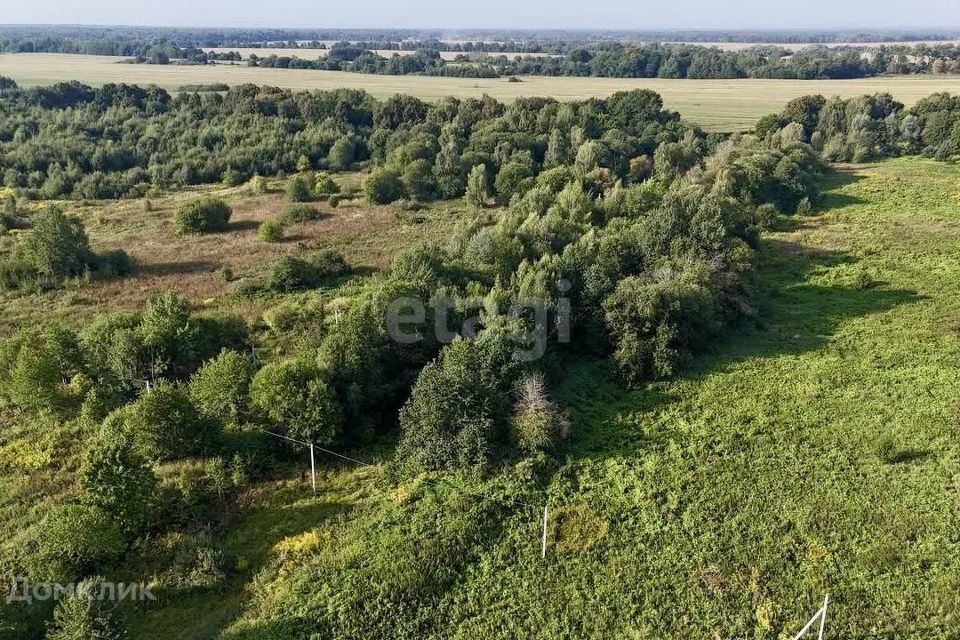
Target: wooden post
<point>823,617</point>
<point>543,543</point>
<point>313,470</point>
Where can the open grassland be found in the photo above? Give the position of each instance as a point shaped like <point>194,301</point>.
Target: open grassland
<point>368,236</point>
<point>720,105</point>
<point>815,451</point>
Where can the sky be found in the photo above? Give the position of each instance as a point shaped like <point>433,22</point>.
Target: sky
<point>616,14</point>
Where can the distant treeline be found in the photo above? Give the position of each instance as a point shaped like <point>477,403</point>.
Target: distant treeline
<point>643,61</point>
<point>558,58</point>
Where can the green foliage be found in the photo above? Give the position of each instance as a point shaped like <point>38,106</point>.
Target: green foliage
<point>477,186</point>
<point>84,615</point>
<point>382,186</point>
<point>342,155</point>
<point>457,412</point>
<point>656,323</point>
<point>299,189</point>
<point>294,397</point>
<point>220,388</point>
<point>73,541</point>
<point>270,231</point>
<point>418,181</point>
<point>57,246</point>
<point>299,212</point>
<point>291,273</point>
<point>117,480</point>
<point>204,215</point>
<point>164,424</point>
<point>324,184</point>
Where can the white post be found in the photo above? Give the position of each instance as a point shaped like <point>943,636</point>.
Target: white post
<point>313,470</point>
<point>823,617</point>
<point>543,543</point>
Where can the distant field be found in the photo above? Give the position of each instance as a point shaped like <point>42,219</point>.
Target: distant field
<point>718,105</point>
<point>313,54</point>
<point>797,46</point>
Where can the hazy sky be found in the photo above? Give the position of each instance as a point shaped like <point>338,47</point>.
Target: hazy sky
<point>623,14</point>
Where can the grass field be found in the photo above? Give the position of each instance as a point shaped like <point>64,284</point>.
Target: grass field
<point>816,451</point>
<point>720,105</point>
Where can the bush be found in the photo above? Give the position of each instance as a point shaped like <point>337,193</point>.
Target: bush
<point>383,186</point>
<point>296,399</point>
<point>334,200</point>
<point>164,425</point>
<point>205,215</point>
<point>220,388</point>
<point>72,541</point>
<point>57,246</point>
<point>270,231</point>
<point>324,184</point>
<point>117,480</point>
<point>299,212</point>
<point>291,273</point>
<point>299,189</point>
<point>536,424</point>
<point>459,406</point>
<point>258,185</point>
<point>84,615</point>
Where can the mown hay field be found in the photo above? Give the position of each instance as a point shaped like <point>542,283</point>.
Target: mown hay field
<point>717,105</point>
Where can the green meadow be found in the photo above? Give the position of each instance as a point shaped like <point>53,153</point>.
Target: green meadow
<point>814,451</point>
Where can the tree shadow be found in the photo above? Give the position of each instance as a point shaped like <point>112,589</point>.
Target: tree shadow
<point>174,268</point>
<point>242,225</point>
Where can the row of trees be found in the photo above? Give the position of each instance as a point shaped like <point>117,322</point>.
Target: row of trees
<point>869,127</point>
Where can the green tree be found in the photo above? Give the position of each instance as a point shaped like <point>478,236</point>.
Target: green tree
<point>477,189</point>
<point>118,480</point>
<point>86,616</point>
<point>220,389</point>
<point>342,154</point>
<point>293,395</point>
<point>382,186</point>
<point>57,246</point>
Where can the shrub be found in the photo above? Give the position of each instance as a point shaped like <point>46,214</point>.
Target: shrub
<point>31,375</point>
<point>324,184</point>
<point>270,231</point>
<point>220,388</point>
<point>72,541</point>
<point>458,408</point>
<point>334,200</point>
<point>198,565</point>
<point>164,425</point>
<point>258,185</point>
<point>536,424</point>
<point>383,186</point>
<point>57,246</point>
<point>84,615</point>
<point>295,398</point>
<point>205,215</point>
<point>118,480</point>
<point>299,212</point>
<point>291,273</point>
<point>299,189</point>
